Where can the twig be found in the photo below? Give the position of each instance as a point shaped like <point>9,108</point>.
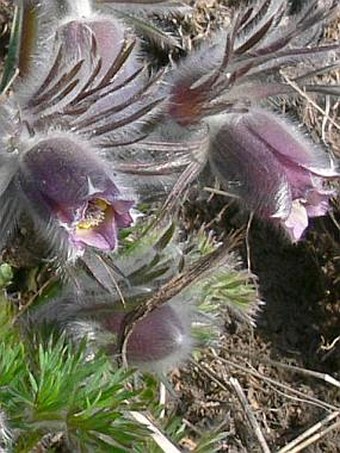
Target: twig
<point>315,374</point>
<point>162,441</point>
<point>33,298</point>
<point>192,427</point>
<point>10,82</point>
<point>210,375</point>
<point>221,192</point>
<point>330,348</point>
<point>308,433</point>
<point>315,438</point>
<point>307,399</point>
<point>250,415</point>
<point>331,345</point>
<point>244,402</point>
<point>336,223</point>
<point>217,217</point>
<point>325,118</point>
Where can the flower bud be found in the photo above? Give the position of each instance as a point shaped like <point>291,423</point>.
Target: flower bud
<point>115,83</point>
<point>101,35</point>
<point>157,341</point>
<point>272,168</point>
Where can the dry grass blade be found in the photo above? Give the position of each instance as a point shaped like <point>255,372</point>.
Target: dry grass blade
<point>308,98</point>
<point>163,442</point>
<point>249,414</point>
<point>314,438</point>
<point>316,374</point>
<point>274,382</point>
<point>162,399</point>
<point>300,442</point>
<point>295,369</point>
<point>221,192</point>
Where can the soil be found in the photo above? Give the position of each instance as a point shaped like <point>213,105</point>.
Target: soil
<point>298,328</point>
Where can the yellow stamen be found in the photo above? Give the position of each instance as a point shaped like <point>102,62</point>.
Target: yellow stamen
<point>94,214</point>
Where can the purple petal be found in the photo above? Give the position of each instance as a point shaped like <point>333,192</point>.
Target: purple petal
<point>103,236</point>
<point>318,202</point>
<point>297,221</point>
<point>309,189</point>
<point>288,143</point>
<point>300,179</point>
<point>247,167</point>
<point>122,210</point>
<point>64,174</point>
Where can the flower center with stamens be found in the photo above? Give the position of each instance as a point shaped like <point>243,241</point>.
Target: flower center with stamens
<point>94,214</point>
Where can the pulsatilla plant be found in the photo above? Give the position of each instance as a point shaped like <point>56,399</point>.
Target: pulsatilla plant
<point>78,103</point>
<point>261,145</point>
<point>256,155</point>
<point>88,130</point>
<point>163,301</point>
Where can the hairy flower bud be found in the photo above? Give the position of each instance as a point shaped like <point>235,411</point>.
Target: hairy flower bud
<point>64,181</point>
<point>159,340</point>
<point>272,167</point>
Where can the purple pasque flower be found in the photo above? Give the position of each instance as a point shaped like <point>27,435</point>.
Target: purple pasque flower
<point>227,77</point>
<point>80,103</point>
<point>272,167</point>
<point>158,342</point>
<point>64,180</point>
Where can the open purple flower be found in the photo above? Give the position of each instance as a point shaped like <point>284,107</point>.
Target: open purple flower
<point>272,167</point>
<point>65,182</point>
